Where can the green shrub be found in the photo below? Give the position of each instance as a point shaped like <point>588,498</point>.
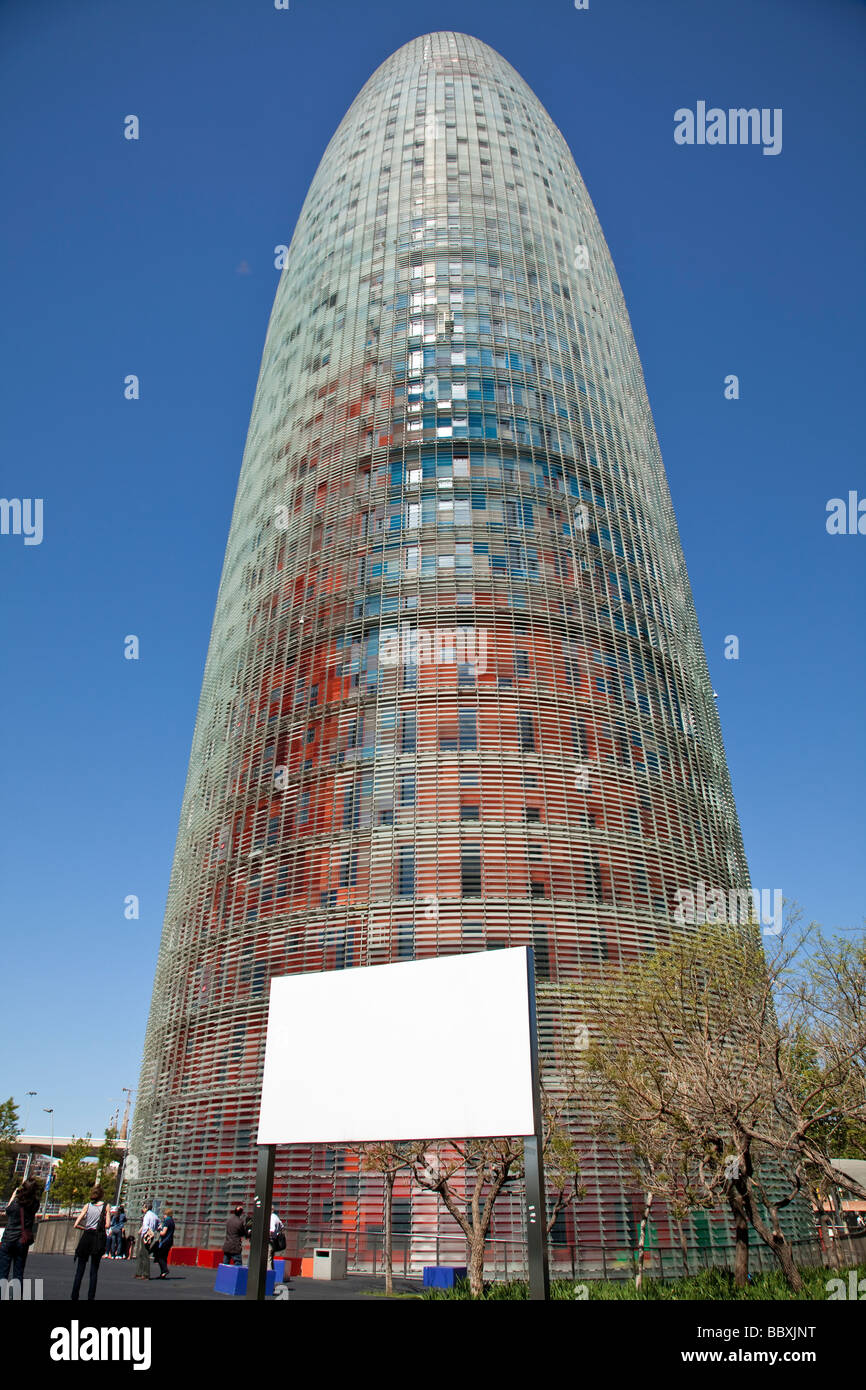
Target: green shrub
<point>708,1286</point>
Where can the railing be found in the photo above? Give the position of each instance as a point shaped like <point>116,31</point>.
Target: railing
<point>506,1259</point>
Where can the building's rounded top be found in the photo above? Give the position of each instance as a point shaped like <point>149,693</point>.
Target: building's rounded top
<point>445,50</point>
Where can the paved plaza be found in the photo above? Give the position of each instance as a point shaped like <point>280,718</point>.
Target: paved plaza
<point>117,1284</point>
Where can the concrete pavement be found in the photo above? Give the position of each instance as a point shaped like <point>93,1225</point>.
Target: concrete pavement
<point>118,1284</point>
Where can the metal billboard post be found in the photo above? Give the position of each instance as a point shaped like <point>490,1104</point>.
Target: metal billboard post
<point>533,1149</point>
<point>264,1195</point>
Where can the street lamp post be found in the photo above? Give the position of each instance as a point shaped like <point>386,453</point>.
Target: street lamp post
<point>49,1110</point>
<point>30,1094</point>
<point>29,1158</point>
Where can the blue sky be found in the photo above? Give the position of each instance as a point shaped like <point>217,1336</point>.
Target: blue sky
<point>121,257</point>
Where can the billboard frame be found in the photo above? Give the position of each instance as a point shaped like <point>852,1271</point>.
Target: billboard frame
<point>533,1147</point>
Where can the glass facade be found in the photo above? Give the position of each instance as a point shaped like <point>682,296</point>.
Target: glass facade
<point>455,696</point>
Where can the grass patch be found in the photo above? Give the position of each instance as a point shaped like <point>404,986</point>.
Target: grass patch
<point>711,1285</point>
<point>380,1293</point>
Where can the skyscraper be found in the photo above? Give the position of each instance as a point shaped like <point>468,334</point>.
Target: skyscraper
<point>455,696</point>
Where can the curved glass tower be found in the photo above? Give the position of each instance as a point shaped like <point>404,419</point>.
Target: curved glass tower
<point>455,695</point>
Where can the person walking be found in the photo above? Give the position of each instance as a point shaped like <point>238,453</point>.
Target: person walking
<point>164,1242</point>
<point>236,1229</point>
<point>115,1233</point>
<point>276,1236</point>
<point>19,1233</point>
<point>149,1223</point>
<point>93,1221</point>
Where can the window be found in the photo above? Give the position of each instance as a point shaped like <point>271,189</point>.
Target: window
<point>407,791</point>
<point>526,732</point>
<point>578,737</point>
<point>541,948</point>
<point>467,735</point>
<point>349,869</point>
<point>407,744</point>
<point>470,810</point>
<point>470,871</point>
<point>401,1217</point>
<point>521,663</point>
<point>406,874</point>
<point>594,885</point>
<point>533,813</point>
<point>344,957</point>
<point>351,809</point>
<point>572,665</point>
<point>405,941</point>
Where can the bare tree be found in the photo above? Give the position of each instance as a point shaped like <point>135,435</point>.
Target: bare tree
<point>562,1173</point>
<point>388,1157</point>
<point>824,1004</point>
<point>695,1069</point>
<point>487,1166</point>
<point>641,1243</point>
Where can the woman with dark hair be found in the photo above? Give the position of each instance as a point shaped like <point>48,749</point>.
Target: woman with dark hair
<point>164,1242</point>
<point>93,1221</point>
<point>18,1235</point>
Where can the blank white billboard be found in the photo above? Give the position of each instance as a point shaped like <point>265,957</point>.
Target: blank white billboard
<point>431,1049</point>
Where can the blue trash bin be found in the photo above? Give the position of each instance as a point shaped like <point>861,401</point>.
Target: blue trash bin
<point>443,1276</point>
<point>232,1279</point>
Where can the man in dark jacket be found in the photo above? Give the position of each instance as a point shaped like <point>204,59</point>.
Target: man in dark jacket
<point>236,1230</point>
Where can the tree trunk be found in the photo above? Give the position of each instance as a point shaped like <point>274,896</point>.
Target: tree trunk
<point>782,1250</point>
<point>776,1242</point>
<point>476,1265</point>
<point>387,1252</point>
<point>741,1248</point>
<point>641,1247</point>
<point>684,1248</point>
<point>741,1210</point>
